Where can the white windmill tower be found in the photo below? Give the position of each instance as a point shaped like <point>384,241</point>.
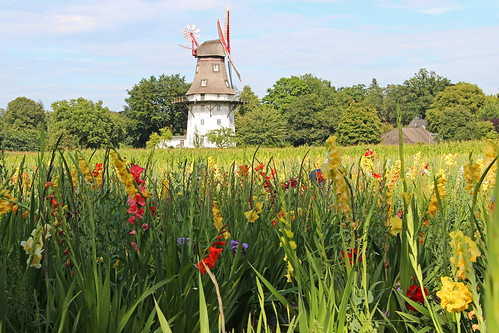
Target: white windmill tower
<point>211,100</point>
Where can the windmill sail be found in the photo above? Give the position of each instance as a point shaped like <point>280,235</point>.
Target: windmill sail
<point>227,49</point>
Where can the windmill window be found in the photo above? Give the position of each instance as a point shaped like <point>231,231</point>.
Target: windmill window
<point>197,69</point>
<point>227,84</point>
<point>215,68</point>
<point>203,83</point>
<point>202,122</point>
<point>218,107</point>
<point>219,122</point>
<point>202,107</point>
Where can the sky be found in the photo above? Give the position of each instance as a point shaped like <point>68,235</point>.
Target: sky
<point>55,50</point>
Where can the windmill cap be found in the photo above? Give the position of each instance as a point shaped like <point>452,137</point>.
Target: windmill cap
<point>211,48</point>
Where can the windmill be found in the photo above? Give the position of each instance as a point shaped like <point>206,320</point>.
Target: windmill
<point>211,99</point>
<point>224,36</point>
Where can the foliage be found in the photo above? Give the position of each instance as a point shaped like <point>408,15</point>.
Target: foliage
<point>99,272</point>
<point>355,93</point>
<point>360,125</point>
<point>490,110</point>
<point>419,92</point>
<point>284,91</point>
<point>374,98</point>
<point>251,100</point>
<point>457,123</point>
<point>487,130</point>
<point>222,137</point>
<point>164,135</point>
<point>83,123</point>
<point>464,94</point>
<point>149,107</point>
<point>309,121</point>
<point>23,122</point>
<point>263,125</point>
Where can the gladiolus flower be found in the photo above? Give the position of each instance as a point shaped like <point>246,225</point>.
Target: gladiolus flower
<point>414,294</point>
<point>395,225</point>
<point>459,243</point>
<point>352,256</point>
<point>454,296</point>
<point>210,260</point>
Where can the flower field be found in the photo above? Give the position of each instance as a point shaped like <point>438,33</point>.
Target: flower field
<point>323,239</point>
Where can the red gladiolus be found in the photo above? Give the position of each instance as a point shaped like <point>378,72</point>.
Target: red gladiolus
<point>98,168</point>
<point>352,256</point>
<point>210,260</point>
<point>414,294</point>
<point>136,170</point>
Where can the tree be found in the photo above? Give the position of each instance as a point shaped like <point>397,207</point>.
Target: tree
<point>82,123</point>
<point>164,135</point>
<point>374,98</point>
<point>263,125</point>
<point>420,90</point>
<point>392,97</point>
<point>286,90</point>
<point>462,94</point>
<point>250,98</point>
<point>490,109</point>
<point>465,94</point>
<point>458,123</point>
<point>23,122</point>
<point>360,125</point>
<point>355,93</point>
<point>221,137</point>
<point>309,121</point>
<point>149,107</point>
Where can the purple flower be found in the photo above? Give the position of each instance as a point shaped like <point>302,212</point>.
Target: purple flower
<point>386,313</point>
<point>183,240</point>
<point>235,244</point>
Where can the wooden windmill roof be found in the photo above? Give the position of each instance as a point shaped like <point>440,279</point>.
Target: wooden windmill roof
<point>211,74</point>
<point>410,135</point>
<point>211,48</point>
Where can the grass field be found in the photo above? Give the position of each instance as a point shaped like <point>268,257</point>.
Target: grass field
<point>211,240</point>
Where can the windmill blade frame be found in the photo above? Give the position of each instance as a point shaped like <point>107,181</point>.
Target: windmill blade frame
<point>227,50</point>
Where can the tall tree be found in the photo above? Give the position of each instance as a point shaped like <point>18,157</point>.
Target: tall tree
<point>23,119</point>
<point>284,91</point>
<point>462,94</point>
<point>490,109</point>
<point>149,107</point>
<point>360,125</point>
<point>420,91</point>
<point>374,98</point>
<point>355,93</point>
<point>250,98</point>
<point>82,123</point>
<point>458,123</point>
<point>310,121</point>
<point>263,125</point>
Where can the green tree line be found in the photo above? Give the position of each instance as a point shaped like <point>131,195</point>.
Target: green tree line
<point>297,110</point>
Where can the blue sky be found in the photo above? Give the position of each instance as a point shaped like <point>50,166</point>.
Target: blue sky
<point>53,50</point>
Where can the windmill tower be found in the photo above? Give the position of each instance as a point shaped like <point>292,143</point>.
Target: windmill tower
<point>211,100</point>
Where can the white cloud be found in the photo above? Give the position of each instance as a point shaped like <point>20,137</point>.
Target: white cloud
<point>431,7</point>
